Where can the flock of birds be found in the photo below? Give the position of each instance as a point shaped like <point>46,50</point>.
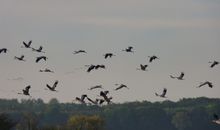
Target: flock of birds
<point>103,95</point>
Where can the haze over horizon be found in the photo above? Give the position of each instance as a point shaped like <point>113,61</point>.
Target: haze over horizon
<point>185,36</point>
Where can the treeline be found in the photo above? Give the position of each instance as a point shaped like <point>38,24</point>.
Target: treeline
<point>186,114</point>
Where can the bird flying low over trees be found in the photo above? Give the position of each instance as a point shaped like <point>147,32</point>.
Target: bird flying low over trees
<point>163,95</point>
<point>206,83</point>
<point>53,88</point>
<point>27,45</point>
<point>26,91</point>
<point>81,100</point>
<point>106,98</point>
<point>179,77</point>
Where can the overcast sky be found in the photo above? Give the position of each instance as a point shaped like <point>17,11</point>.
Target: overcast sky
<point>185,35</point>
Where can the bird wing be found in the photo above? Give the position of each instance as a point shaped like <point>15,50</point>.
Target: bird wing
<point>55,84</point>
<point>48,86</point>
<point>29,43</point>
<point>27,88</point>
<point>164,92</point>
<point>38,59</point>
<point>25,44</point>
<point>106,56</point>
<point>83,97</point>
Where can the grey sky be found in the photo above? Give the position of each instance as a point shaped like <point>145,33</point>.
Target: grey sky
<point>184,34</point>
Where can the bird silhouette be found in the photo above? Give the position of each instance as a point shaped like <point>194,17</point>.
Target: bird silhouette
<point>40,49</point>
<point>129,49</point>
<point>27,45</point>
<point>152,58</point>
<point>106,98</point>
<point>20,58</point>
<point>3,50</point>
<point>214,63</point>
<point>163,95</point>
<point>79,51</point>
<point>216,119</point>
<point>206,83</point>
<point>108,55</point>
<point>26,91</point>
<point>121,86</point>
<point>92,67</point>
<point>47,70</point>
<point>81,100</point>
<point>53,88</point>
<point>95,87</point>
<point>179,77</point>
<point>99,66</point>
<point>142,67</point>
<point>40,58</point>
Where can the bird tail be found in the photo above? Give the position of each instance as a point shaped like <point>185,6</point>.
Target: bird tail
<point>157,94</point>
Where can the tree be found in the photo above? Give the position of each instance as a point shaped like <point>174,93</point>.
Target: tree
<point>6,123</point>
<point>82,122</point>
<point>181,120</point>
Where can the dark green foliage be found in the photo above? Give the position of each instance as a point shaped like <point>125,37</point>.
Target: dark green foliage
<point>6,123</point>
<point>186,114</point>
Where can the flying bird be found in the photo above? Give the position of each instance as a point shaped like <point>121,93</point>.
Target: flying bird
<point>108,55</point>
<point>206,83</point>
<point>3,50</point>
<point>129,49</point>
<point>41,58</point>
<point>95,87</point>
<point>26,91</point>
<point>121,86</point>
<point>152,58</point>
<point>81,100</point>
<point>40,49</point>
<point>47,70</point>
<point>27,45</point>
<point>20,58</point>
<point>179,77</point>
<point>163,95</point>
<point>216,119</point>
<point>106,98</point>
<point>100,66</point>
<point>53,88</point>
<point>142,67</point>
<point>214,63</point>
<point>79,51</point>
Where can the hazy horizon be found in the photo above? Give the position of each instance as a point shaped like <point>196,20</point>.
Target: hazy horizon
<point>183,34</point>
